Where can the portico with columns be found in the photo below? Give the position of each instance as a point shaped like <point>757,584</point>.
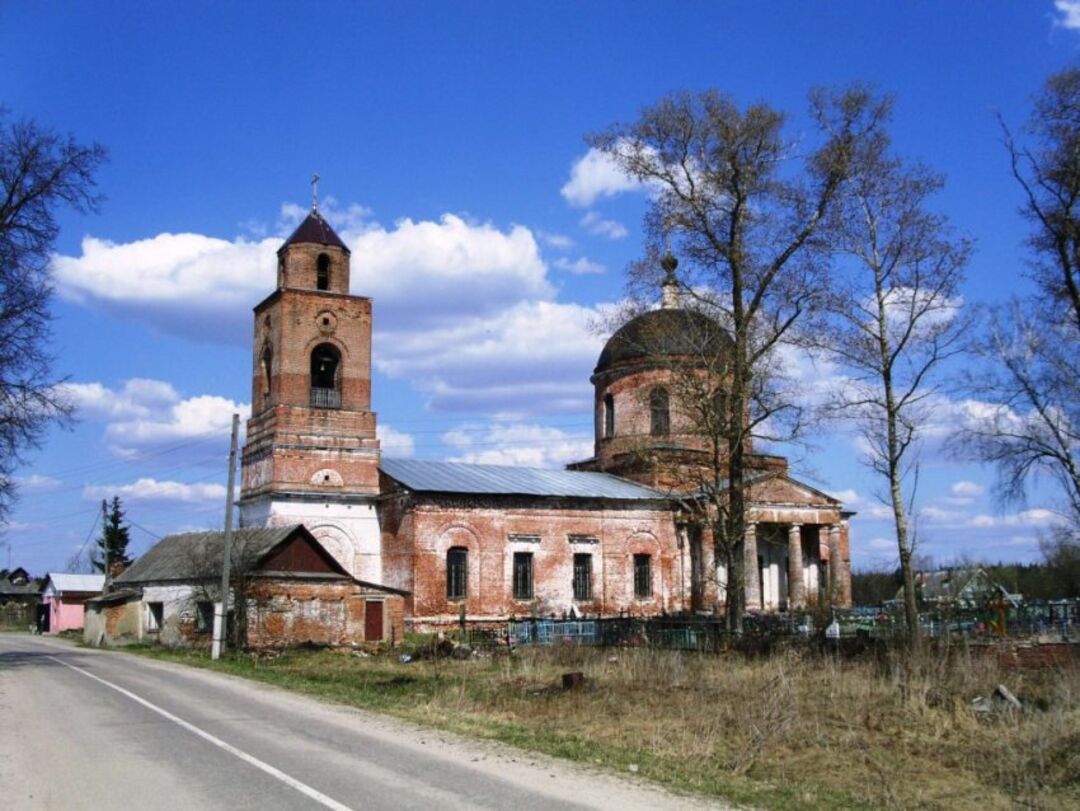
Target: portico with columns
<point>796,550</point>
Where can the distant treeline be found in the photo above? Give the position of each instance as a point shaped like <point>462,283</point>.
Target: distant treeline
<point>1055,578</point>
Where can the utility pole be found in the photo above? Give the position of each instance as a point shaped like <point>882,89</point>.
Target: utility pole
<point>221,609</point>
<point>105,538</point>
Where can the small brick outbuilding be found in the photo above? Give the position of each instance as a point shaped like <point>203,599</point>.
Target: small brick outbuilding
<point>287,591</point>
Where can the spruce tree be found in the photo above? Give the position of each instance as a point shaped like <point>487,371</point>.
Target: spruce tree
<point>114,538</point>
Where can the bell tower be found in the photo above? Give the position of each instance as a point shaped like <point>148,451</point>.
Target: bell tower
<point>311,454</point>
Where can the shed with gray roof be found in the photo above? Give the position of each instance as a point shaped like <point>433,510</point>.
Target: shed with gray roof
<point>286,590</point>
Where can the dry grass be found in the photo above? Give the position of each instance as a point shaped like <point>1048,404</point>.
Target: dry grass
<point>790,731</point>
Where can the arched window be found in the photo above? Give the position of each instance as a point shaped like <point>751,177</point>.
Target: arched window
<point>267,369</point>
<point>609,415</point>
<point>325,360</point>
<point>322,272</point>
<point>457,573</point>
<point>660,424</point>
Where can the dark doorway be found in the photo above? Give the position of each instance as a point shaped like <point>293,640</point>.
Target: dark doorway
<point>373,621</point>
<point>43,617</point>
<point>697,568</point>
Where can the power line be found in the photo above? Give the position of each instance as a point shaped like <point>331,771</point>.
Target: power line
<point>137,525</point>
<point>139,456</point>
<point>89,535</point>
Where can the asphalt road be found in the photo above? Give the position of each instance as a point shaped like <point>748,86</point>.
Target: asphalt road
<point>87,729</point>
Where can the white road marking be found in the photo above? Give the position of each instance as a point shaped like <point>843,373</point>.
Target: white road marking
<point>303,788</point>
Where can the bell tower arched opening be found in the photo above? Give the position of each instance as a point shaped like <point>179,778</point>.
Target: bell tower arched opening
<point>325,388</point>
<point>322,272</point>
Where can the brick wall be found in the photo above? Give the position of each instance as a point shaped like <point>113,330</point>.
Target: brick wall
<point>419,530</point>
<point>284,613</point>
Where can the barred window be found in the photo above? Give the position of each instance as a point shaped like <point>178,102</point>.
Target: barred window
<point>582,577</point>
<point>457,573</point>
<point>642,576</point>
<point>523,575</point>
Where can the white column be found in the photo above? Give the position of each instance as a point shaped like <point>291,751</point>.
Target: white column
<point>796,578</point>
<point>752,576</point>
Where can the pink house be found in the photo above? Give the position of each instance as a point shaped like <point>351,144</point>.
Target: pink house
<point>62,600</point>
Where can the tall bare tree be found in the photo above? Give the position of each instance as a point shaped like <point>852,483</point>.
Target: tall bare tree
<point>743,207</point>
<point>896,318</point>
<point>1032,347</point>
<point>40,171</point>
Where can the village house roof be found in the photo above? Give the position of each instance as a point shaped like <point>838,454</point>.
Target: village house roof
<point>317,230</point>
<point>198,555</point>
<point>17,582</point>
<point>456,477</point>
<point>82,583</point>
<point>965,587</point>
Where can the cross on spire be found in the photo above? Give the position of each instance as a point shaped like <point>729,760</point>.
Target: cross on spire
<point>315,193</point>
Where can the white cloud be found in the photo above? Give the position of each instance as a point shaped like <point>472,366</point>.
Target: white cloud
<point>966,489</point>
<point>205,415</point>
<point>578,267</point>
<point>1025,518</point>
<point>559,242</point>
<point>137,398</point>
<point>847,496</point>
<point>148,489</point>
<point>938,515</point>
<point>880,544</point>
<point>35,481</point>
<point>188,284</point>
<point>203,287</point>
<point>1069,11</point>
<point>517,444</point>
<point>875,511</point>
<point>147,412</point>
<point>430,273</point>
<point>594,224</point>
<point>533,358</point>
<point>595,175</point>
<point>474,297</point>
<point>395,443</point>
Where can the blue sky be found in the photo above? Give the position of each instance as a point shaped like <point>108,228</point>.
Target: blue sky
<point>450,142</point>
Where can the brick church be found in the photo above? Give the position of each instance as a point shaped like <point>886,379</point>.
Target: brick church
<point>608,535</point>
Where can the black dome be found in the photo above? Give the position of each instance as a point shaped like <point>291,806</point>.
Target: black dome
<point>663,333</point>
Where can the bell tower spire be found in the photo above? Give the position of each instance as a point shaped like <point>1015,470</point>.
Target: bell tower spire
<point>314,257</point>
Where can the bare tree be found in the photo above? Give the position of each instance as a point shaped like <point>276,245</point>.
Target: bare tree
<point>743,207</point>
<point>895,319</point>
<point>39,171</point>
<point>1030,423</point>
<point>1032,347</point>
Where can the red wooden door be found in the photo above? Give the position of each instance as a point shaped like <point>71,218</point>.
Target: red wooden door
<point>373,623</point>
